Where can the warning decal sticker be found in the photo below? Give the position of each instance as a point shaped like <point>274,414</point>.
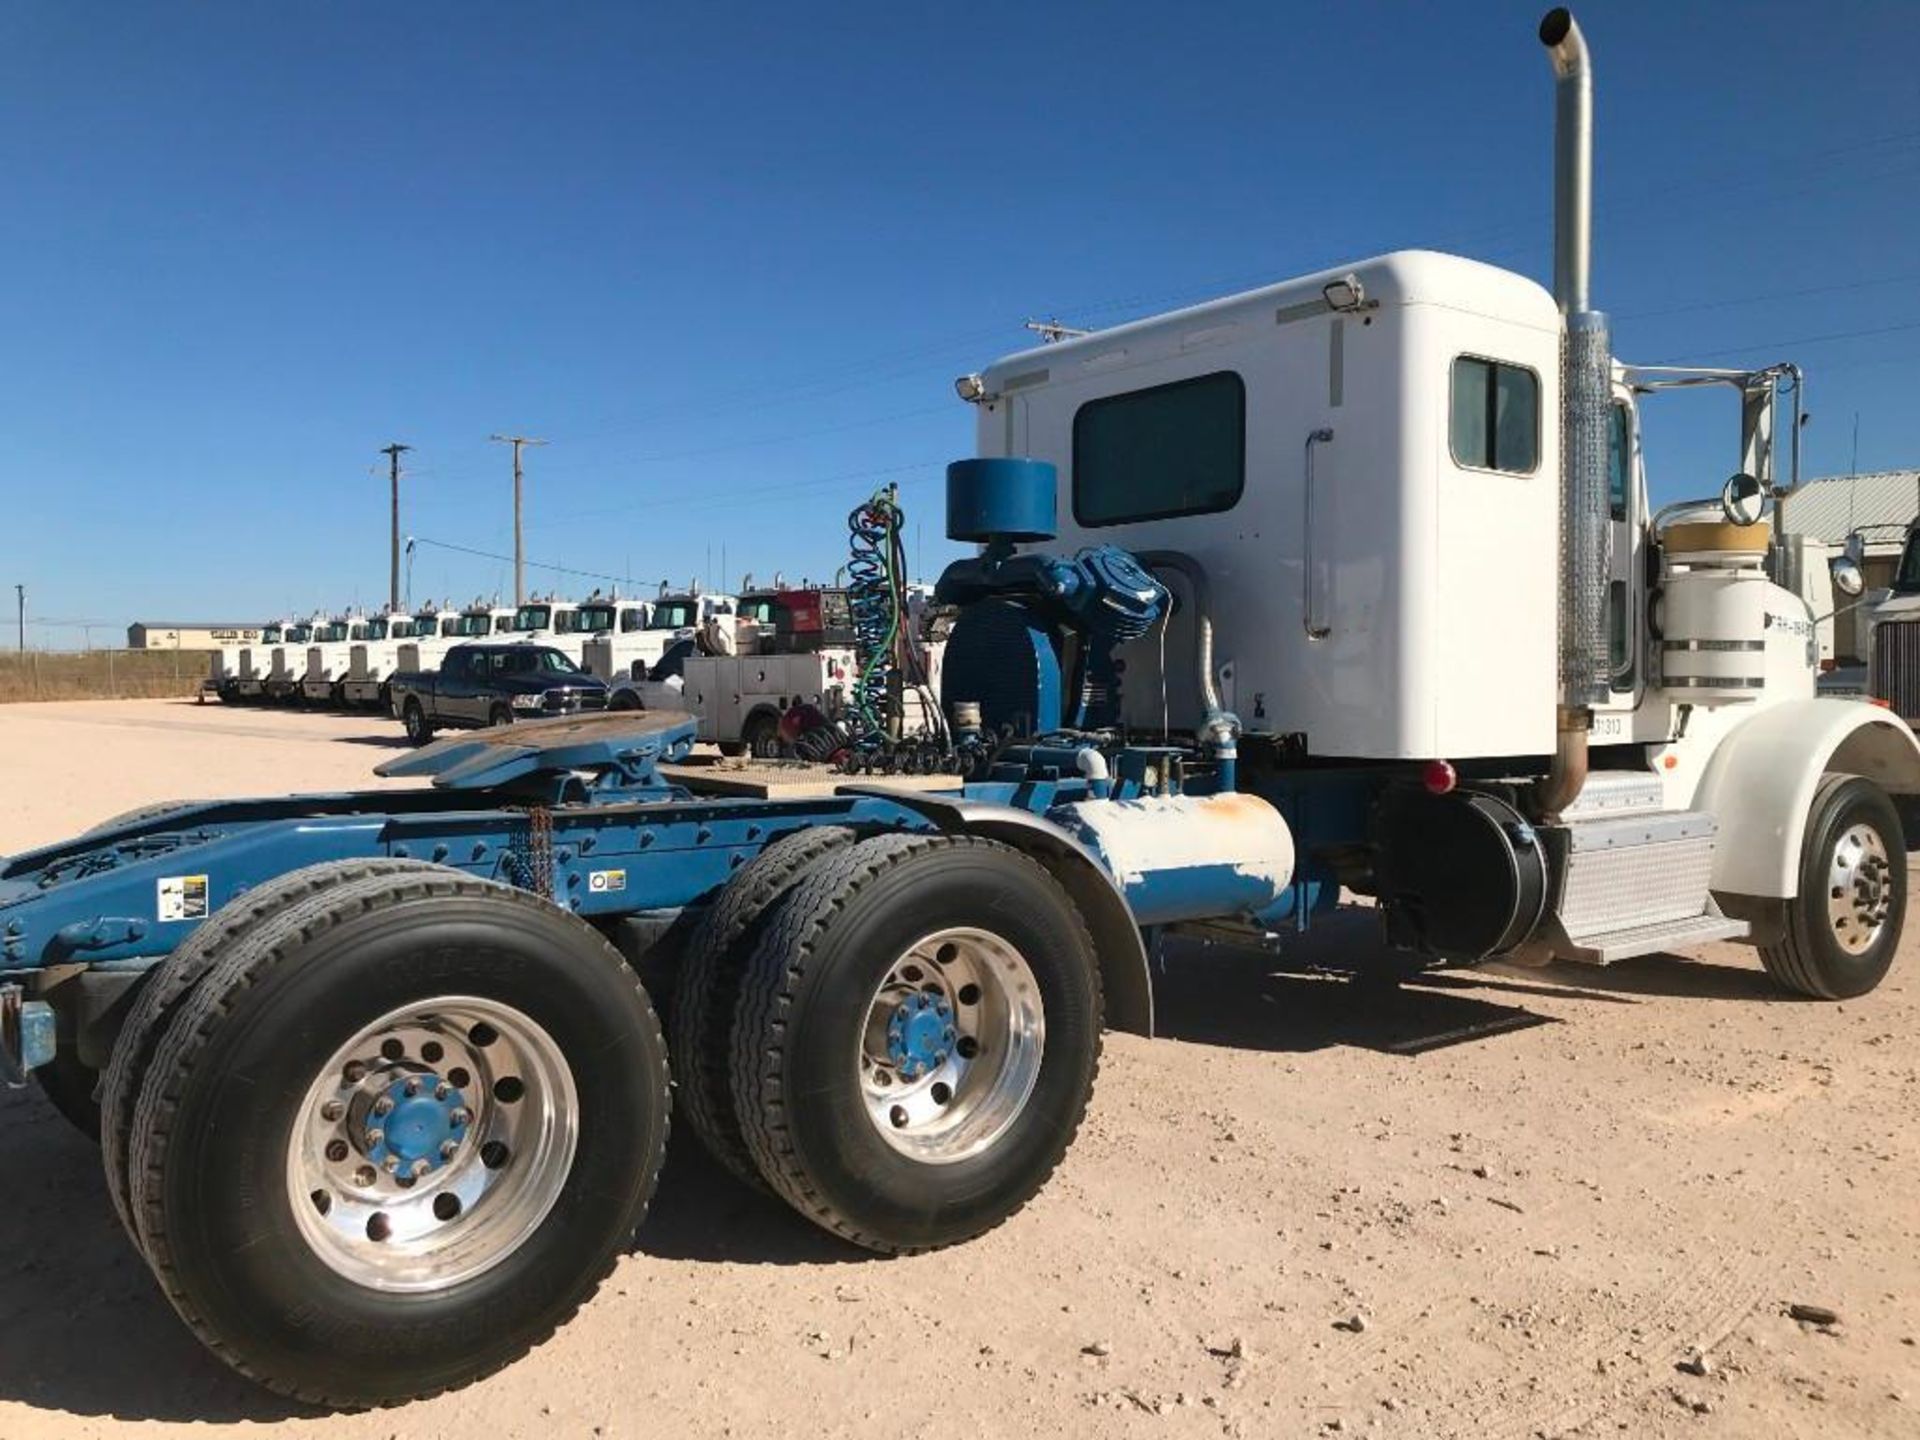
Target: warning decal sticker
<point>183,897</point>
<point>601,881</point>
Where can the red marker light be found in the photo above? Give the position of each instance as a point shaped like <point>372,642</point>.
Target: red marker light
<point>1439,777</point>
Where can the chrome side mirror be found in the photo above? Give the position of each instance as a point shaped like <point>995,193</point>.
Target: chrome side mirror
<point>1848,578</point>
<point>1855,548</point>
<point>1743,500</point>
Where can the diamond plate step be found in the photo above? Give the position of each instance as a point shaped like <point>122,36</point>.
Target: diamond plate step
<point>1614,945</point>
<point>1612,793</point>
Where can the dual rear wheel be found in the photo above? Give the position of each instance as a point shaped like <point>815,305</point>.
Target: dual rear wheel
<point>911,1030</point>
<point>379,1127</point>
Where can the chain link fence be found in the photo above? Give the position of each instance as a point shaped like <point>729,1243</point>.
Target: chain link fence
<point>101,674</point>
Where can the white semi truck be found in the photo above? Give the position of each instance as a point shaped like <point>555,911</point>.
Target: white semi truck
<point>388,1097</point>
<point>552,622</point>
<point>329,656</point>
<point>636,646</point>
<point>287,661</point>
<point>482,620</point>
<point>376,655</point>
<point>1410,532</point>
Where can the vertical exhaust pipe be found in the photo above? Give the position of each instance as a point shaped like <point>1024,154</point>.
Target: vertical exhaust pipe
<point>1586,391</point>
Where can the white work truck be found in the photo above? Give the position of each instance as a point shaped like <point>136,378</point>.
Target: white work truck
<point>1410,532</point>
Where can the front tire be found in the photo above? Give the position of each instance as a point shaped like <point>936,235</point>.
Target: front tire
<point>1844,926</point>
<point>500,715</point>
<point>917,1039</point>
<point>397,1136</point>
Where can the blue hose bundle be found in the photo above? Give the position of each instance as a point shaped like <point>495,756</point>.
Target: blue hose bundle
<point>876,594</point>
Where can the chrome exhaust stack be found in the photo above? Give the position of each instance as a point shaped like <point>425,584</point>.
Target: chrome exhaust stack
<point>1586,392</point>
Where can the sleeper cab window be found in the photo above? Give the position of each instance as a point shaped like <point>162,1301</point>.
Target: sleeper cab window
<point>1154,454</point>
<point>1496,416</point>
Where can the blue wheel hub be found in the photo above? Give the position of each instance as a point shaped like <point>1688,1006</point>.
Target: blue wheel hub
<point>416,1119</point>
<point>920,1034</point>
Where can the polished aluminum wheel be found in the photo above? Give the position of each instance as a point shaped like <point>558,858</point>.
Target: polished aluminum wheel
<point>432,1144</point>
<point>952,1044</point>
<point>1859,888</point>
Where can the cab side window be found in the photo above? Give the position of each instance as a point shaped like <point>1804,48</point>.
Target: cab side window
<point>1495,416</point>
<point>1619,462</point>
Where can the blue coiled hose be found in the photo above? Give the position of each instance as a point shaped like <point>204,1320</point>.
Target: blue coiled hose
<point>876,594</point>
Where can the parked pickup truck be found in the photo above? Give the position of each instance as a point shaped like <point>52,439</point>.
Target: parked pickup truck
<point>478,685</point>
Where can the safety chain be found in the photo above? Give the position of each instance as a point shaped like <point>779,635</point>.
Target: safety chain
<point>535,853</point>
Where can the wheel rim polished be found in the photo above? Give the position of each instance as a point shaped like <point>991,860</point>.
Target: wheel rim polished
<point>952,1044</point>
<point>432,1144</point>
<point>1859,888</point>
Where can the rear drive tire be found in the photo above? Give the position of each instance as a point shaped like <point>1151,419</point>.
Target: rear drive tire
<point>169,983</point>
<point>351,1255</point>
<point>917,1039</point>
<point>414,717</point>
<point>1844,926</point>
<point>706,998</point>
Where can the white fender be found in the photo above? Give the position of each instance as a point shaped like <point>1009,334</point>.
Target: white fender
<point>1760,781</point>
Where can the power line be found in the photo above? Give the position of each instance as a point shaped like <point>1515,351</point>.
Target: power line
<point>517,560</point>
<point>1778,345</point>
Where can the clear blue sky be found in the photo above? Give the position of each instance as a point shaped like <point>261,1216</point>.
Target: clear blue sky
<point>728,258</point>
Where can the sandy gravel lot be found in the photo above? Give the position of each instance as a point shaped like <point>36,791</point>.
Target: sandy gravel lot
<point>1489,1205</point>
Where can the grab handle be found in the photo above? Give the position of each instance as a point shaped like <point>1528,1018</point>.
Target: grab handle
<point>1314,631</point>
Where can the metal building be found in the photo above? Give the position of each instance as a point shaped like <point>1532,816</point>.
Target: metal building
<point>190,634</point>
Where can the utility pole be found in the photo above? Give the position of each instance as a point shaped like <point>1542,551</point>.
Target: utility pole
<point>20,594</point>
<point>393,453</point>
<point>519,553</point>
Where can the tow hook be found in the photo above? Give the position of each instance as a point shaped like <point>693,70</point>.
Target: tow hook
<point>26,1035</point>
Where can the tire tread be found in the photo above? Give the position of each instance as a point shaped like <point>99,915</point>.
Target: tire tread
<point>769,983</point>
<point>208,1004</point>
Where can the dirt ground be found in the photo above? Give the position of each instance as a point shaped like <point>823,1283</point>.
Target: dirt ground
<point>1494,1204</point>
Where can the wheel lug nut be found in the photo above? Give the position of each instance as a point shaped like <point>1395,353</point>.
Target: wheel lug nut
<point>449,1148</point>
<point>413,1088</point>
<point>376,1137</point>
<point>461,1115</point>
<point>419,1168</point>
<point>383,1106</point>
<point>393,1164</point>
<point>332,1110</point>
<point>355,1072</point>
<point>442,1090</point>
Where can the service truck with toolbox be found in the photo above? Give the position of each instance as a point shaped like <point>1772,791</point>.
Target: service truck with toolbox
<point>381,1093</point>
